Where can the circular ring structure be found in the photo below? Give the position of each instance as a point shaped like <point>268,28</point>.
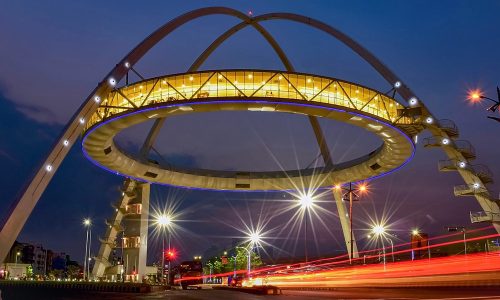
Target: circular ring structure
<point>249,90</point>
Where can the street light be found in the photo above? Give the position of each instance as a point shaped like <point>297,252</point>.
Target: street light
<point>476,96</point>
<point>86,262</point>
<point>163,222</point>
<point>380,231</point>
<point>306,201</point>
<point>463,230</point>
<point>416,234</point>
<point>254,238</point>
<point>17,254</point>
<point>351,195</point>
<point>249,266</point>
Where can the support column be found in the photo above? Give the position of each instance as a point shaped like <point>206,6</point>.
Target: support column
<point>143,230</point>
<point>111,239</point>
<point>344,222</point>
<point>131,218</point>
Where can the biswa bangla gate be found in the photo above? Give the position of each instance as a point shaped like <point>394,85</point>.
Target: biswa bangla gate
<point>397,117</point>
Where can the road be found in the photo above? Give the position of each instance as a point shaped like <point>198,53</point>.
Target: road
<point>429,294</point>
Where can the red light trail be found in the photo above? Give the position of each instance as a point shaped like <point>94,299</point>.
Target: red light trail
<point>337,272</point>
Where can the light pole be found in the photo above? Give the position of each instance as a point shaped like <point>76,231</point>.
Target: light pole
<point>465,241</point>
<point>122,260</point>
<point>164,221</point>
<point>87,223</point>
<point>461,228</point>
<point>306,201</point>
<point>234,269</point>
<point>254,238</point>
<point>392,249</point>
<point>416,233</point>
<point>17,254</point>
<point>379,231</point>
<point>477,95</point>
<point>249,267</point>
<point>351,195</point>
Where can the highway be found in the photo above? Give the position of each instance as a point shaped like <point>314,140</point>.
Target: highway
<point>208,294</point>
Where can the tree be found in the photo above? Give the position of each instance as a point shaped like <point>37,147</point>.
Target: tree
<point>239,255</point>
<point>29,271</point>
<point>56,274</point>
<point>73,271</point>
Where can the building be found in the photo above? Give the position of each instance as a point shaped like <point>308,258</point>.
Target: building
<point>39,260</point>
<point>27,260</point>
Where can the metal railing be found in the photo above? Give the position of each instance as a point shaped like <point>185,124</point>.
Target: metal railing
<point>453,165</point>
<point>449,127</point>
<point>469,190</point>
<point>484,173</point>
<point>466,148</point>
<point>431,142</point>
<point>484,216</point>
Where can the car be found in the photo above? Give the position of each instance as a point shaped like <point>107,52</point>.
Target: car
<point>237,281</point>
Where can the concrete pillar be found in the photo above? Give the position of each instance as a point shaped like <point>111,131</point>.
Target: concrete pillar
<point>143,231</point>
<point>344,222</point>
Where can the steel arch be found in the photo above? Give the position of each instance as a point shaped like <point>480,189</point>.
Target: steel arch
<point>483,198</point>
<point>24,205</point>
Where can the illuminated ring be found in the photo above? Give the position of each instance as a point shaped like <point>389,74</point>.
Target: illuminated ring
<point>193,92</point>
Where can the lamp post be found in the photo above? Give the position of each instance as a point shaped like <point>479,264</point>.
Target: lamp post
<point>463,230</point>
<point>380,231</point>
<point>234,269</point>
<point>351,195</point>
<point>17,254</point>
<point>306,201</point>
<point>86,263</point>
<point>392,249</point>
<point>164,221</point>
<point>249,266</point>
<point>254,238</point>
<point>477,95</point>
<point>122,260</point>
<point>416,233</point>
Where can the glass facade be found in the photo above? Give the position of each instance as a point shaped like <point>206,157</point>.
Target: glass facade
<point>248,84</point>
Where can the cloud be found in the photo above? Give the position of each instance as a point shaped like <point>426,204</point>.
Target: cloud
<point>7,155</point>
<point>37,113</point>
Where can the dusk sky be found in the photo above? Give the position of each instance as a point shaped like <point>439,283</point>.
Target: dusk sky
<point>53,53</point>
